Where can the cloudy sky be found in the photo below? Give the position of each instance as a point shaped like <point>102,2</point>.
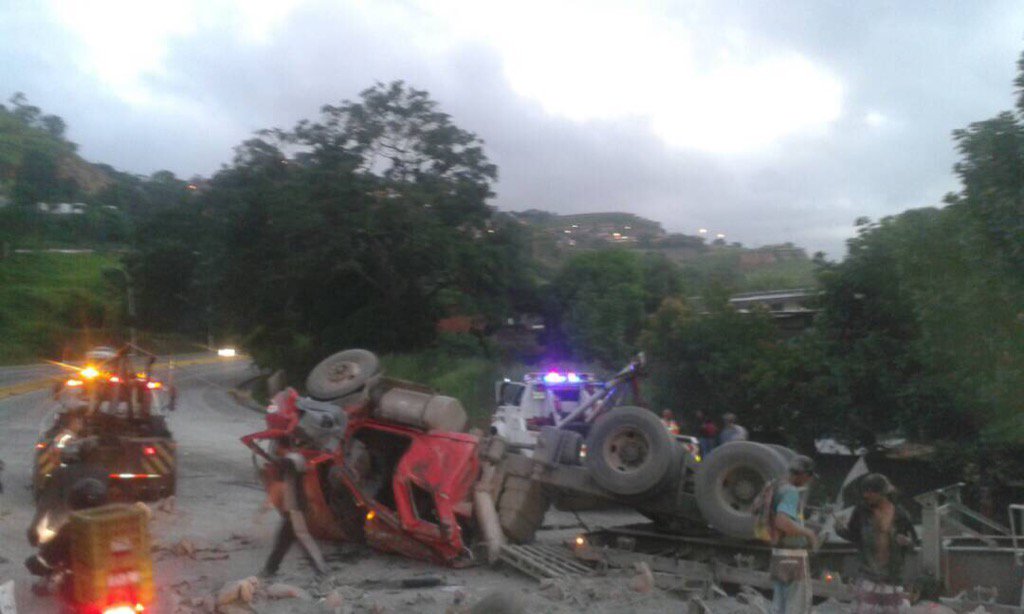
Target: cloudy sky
<point>767,121</point>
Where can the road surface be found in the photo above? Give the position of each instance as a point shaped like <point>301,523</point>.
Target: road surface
<point>219,511</point>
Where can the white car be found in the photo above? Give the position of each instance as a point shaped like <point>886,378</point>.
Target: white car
<point>100,353</point>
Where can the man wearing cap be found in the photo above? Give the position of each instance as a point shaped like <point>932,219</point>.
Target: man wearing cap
<point>884,535</point>
<point>791,578</point>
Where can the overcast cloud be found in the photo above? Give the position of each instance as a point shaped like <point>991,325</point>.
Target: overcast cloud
<point>765,121</point>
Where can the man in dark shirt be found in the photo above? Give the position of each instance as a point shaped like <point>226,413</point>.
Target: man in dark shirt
<point>884,535</point>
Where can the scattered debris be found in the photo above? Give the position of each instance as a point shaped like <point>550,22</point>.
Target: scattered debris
<point>643,581</point>
<point>239,590</point>
<point>552,589</point>
<point>334,602</point>
<point>167,505</point>
<point>499,602</point>
<point>286,591</point>
<point>184,547</point>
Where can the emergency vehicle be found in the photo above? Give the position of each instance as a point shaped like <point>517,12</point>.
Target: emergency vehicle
<point>111,417</point>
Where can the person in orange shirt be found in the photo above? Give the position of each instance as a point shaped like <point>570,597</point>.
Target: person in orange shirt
<point>669,421</point>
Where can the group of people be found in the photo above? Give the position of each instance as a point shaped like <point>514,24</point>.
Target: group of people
<point>881,530</point>
<point>708,433</point>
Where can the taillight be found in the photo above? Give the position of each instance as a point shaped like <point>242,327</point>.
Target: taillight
<point>149,451</point>
<point>115,379</point>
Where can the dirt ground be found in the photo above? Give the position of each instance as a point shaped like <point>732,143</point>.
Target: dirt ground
<point>218,532</point>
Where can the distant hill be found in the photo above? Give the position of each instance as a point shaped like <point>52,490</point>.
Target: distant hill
<point>556,237</point>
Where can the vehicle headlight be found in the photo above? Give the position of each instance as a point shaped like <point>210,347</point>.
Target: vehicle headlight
<point>44,531</point>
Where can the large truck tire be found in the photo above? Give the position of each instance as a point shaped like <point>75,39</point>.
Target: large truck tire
<point>729,480</point>
<point>787,453</point>
<point>341,374</point>
<point>522,504</point>
<point>629,451</point>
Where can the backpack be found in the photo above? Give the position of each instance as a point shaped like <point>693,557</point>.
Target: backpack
<point>764,513</point>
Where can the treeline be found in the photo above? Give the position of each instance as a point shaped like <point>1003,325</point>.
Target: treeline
<point>40,168</point>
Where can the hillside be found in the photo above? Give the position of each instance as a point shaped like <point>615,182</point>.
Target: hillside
<point>49,298</point>
<point>556,237</point>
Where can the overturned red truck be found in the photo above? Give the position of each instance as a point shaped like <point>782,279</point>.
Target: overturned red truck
<point>388,463</point>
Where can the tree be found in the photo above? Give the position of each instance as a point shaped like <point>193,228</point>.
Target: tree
<point>597,305</point>
<point>371,226</point>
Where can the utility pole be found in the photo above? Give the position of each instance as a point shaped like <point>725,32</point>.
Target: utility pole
<point>131,309</point>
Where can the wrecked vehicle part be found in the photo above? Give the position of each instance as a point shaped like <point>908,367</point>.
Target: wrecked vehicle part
<point>384,463</point>
<point>342,374</point>
<point>729,479</point>
<point>628,451</point>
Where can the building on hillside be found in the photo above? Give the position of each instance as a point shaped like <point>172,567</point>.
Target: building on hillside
<point>61,208</point>
<point>793,310</point>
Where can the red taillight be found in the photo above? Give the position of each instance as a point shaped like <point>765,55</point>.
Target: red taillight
<point>149,450</point>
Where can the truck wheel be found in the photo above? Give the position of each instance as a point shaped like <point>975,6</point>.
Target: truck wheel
<point>787,454</point>
<point>522,504</point>
<point>729,480</point>
<point>629,451</point>
<point>342,373</point>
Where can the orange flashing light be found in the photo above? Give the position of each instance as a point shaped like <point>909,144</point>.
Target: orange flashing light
<point>73,383</point>
<point>154,385</point>
<point>40,445</point>
<point>89,372</point>
<point>370,515</point>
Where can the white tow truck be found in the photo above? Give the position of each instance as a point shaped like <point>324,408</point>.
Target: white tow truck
<point>543,398</point>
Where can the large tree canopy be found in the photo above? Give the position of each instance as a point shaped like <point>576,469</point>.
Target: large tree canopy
<point>360,228</point>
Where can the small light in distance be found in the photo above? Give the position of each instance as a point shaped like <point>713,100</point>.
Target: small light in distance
<point>580,540</point>
<point>89,372</point>
<point>73,383</point>
<point>227,352</point>
<point>370,515</point>
<point>154,385</point>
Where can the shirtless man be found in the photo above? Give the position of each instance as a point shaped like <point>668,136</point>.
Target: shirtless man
<point>883,534</point>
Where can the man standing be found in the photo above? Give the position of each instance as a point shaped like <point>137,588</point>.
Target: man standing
<point>669,420</point>
<point>791,579</point>
<point>707,433</point>
<point>883,534</point>
<point>732,431</point>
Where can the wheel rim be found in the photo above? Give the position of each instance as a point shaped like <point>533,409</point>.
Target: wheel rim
<point>343,371</point>
<point>740,486</point>
<point>626,450</point>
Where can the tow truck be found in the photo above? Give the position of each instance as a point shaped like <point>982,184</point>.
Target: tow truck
<point>111,415</point>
